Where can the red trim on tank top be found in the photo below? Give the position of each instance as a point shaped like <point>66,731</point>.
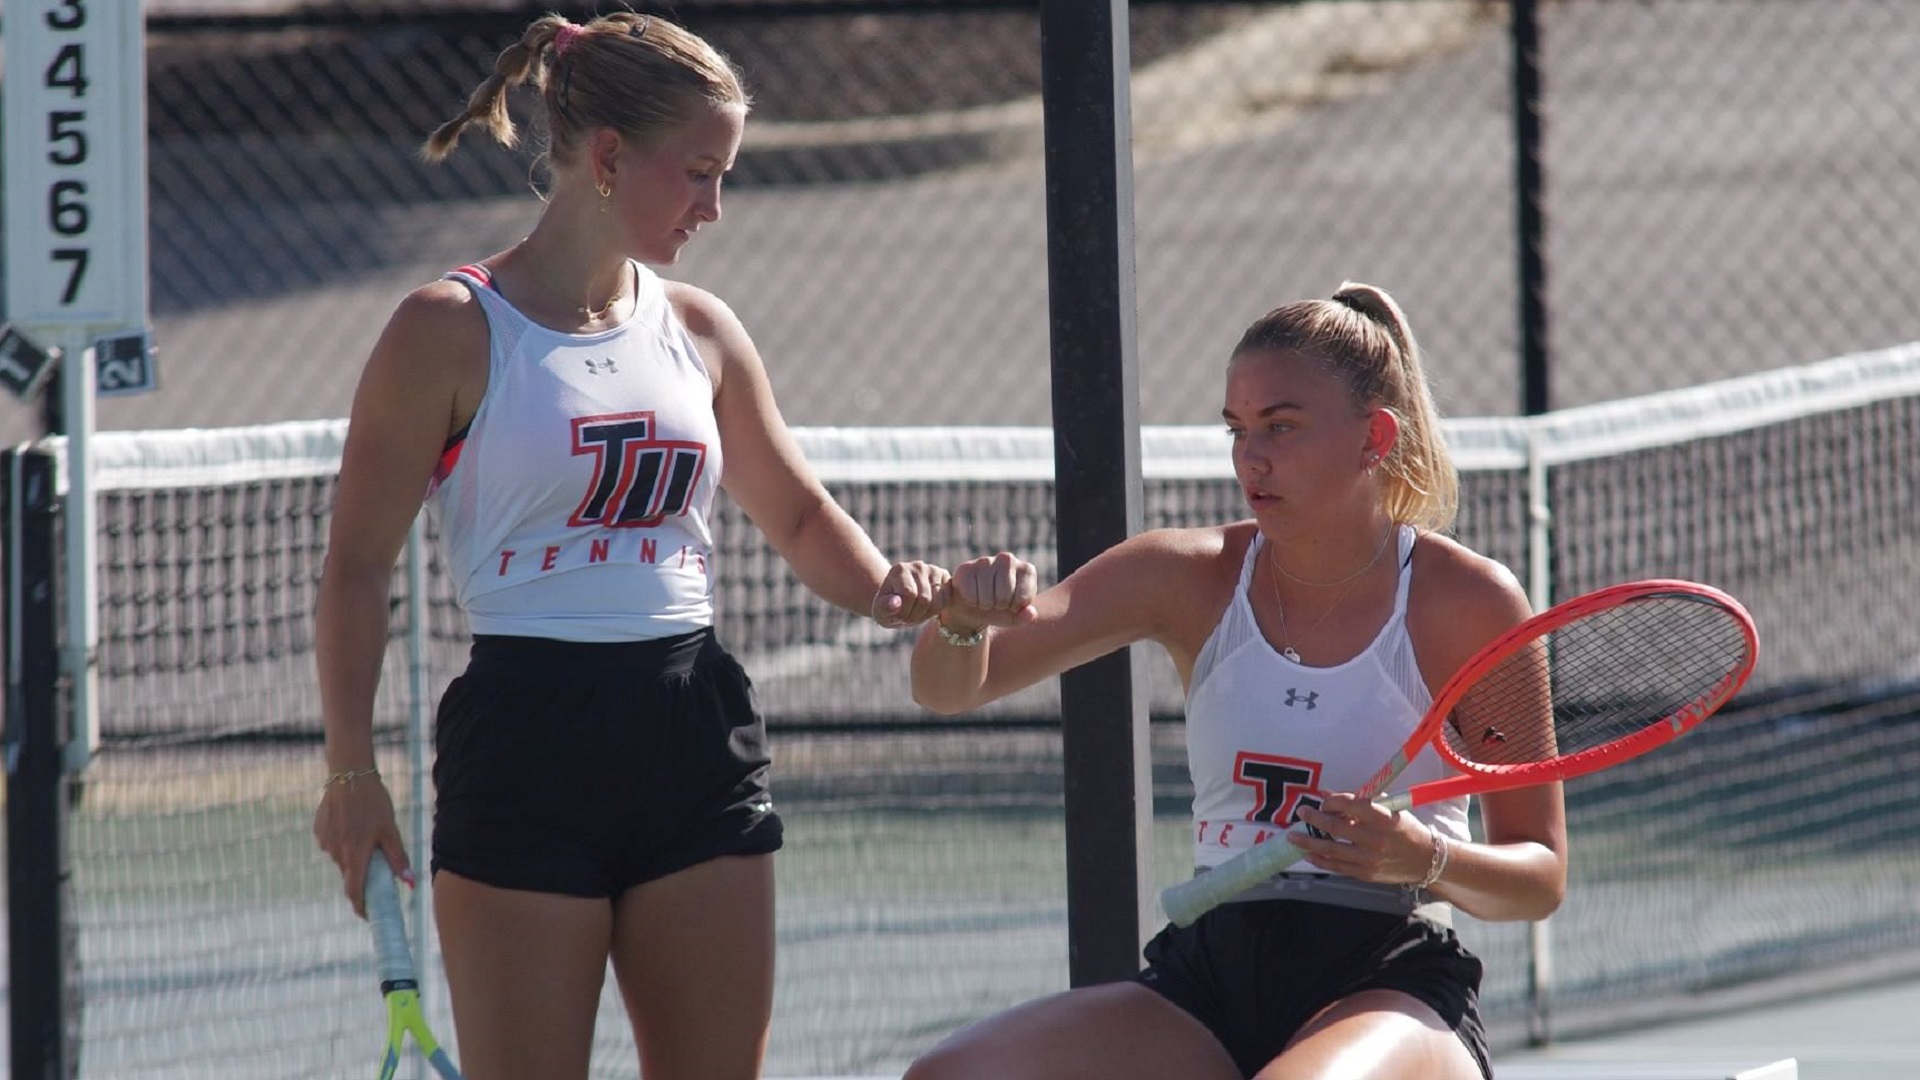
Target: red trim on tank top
<point>449,457</point>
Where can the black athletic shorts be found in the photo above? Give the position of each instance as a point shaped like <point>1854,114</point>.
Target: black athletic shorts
<point>1255,972</point>
<point>588,768</point>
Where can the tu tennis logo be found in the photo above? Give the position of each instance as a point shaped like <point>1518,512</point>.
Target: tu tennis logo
<point>638,480</point>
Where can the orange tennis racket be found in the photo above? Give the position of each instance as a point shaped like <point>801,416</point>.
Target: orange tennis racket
<point>1584,685</point>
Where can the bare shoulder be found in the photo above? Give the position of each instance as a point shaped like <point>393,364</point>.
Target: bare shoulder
<point>722,338</point>
<point>700,311</point>
<point>435,324</point>
<point>1458,602</point>
<point>440,306</point>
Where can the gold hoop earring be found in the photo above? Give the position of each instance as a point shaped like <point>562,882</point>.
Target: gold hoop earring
<point>605,188</point>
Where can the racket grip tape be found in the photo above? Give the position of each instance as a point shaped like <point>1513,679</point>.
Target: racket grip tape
<point>1186,901</point>
<point>1194,897</point>
<point>389,925</point>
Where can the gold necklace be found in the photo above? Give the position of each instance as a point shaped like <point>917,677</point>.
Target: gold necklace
<point>595,316</point>
<point>592,314</point>
<point>1286,648</point>
<point>1377,552</point>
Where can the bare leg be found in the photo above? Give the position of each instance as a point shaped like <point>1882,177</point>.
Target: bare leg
<point>1118,1031</point>
<point>525,971</point>
<point>693,953</point>
<point>1375,1035</point>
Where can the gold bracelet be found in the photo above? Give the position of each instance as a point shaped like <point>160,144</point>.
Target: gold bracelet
<point>346,777</point>
<point>965,641</point>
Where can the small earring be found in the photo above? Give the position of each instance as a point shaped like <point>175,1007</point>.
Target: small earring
<point>605,189</point>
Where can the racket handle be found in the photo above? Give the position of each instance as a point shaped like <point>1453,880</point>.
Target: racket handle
<point>1194,897</point>
<point>1187,901</point>
<point>389,926</point>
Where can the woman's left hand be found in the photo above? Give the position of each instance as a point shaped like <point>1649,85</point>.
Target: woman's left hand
<point>912,593</point>
<point>1358,839</point>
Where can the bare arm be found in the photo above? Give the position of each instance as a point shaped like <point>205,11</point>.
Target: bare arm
<point>416,382</point>
<point>1158,586</point>
<point>1518,870</point>
<point>770,479</point>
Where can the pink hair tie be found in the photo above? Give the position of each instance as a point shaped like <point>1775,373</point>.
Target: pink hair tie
<point>563,39</point>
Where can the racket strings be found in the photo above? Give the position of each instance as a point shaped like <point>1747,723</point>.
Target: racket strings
<point>1604,677</point>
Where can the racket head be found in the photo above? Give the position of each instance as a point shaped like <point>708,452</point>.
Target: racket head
<point>1594,681</point>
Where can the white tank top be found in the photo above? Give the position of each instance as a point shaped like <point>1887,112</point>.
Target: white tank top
<point>1266,735</point>
<point>577,503</point>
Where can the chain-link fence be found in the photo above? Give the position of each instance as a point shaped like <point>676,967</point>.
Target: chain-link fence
<point>1731,186</point>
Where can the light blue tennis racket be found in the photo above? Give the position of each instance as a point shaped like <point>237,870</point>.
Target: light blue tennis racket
<point>397,981</point>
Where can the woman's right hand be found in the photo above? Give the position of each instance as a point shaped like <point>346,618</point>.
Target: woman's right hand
<point>355,817</point>
<point>992,590</point>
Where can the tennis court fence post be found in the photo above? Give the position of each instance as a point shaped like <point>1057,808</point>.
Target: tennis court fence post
<point>1105,738</point>
<point>1530,242</point>
<point>1540,595</point>
<point>40,938</point>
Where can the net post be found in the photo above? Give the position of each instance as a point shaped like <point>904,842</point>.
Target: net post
<point>80,645</point>
<point>1089,198</point>
<point>38,868</point>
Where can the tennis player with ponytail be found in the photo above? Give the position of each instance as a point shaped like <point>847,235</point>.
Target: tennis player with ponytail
<point>601,772</point>
<point>1311,640</point>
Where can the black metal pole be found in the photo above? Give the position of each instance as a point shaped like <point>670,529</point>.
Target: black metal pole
<point>1530,191</point>
<point>1089,168</point>
<point>37,867</point>
<point>1535,396</point>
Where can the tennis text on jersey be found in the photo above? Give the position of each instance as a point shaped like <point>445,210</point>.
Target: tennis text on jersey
<point>638,480</point>
<point>627,548</point>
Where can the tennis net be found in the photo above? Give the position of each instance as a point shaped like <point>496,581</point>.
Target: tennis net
<point>924,881</point>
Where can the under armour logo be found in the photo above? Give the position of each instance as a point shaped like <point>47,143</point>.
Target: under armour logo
<point>595,367</point>
<point>1296,698</point>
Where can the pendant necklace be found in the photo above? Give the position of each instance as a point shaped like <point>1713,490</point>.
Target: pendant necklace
<point>1287,650</point>
<point>595,316</point>
<point>592,314</point>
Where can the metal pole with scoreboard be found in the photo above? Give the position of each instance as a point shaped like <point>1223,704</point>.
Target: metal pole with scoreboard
<point>75,230</point>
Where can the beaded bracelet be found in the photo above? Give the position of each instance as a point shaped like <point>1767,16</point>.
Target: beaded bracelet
<point>1441,852</point>
<point>348,776</point>
<point>965,641</point>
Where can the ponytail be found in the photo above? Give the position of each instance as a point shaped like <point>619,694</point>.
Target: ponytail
<point>1364,338</point>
